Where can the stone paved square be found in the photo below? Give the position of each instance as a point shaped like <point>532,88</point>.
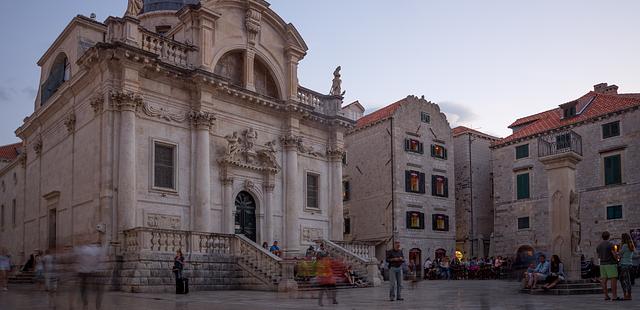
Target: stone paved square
<point>426,295</point>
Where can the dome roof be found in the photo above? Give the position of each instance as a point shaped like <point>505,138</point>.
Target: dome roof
<point>164,5</point>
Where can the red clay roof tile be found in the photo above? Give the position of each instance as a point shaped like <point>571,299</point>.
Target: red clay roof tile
<point>10,151</point>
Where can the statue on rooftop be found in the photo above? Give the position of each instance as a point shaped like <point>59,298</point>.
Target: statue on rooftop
<point>134,8</point>
<point>336,87</point>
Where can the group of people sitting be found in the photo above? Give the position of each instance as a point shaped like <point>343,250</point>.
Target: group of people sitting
<point>446,268</point>
<point>549,272</point>
<point>274,248</point>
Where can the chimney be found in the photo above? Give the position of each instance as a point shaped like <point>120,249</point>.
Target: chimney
<point>604,88</point>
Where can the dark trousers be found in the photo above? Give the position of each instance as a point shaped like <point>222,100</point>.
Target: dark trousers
<point>625,278</point>
<point>88,283</point>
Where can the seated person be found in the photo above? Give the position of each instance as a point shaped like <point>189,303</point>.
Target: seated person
<point>556,273</point>
<point>539,273</point>
<point>275,249</point>
<point>311,252</point>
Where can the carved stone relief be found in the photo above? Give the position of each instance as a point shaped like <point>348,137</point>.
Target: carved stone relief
<point>310,234</point>
<point>70,122</point>
<point>163,113</point>
<point>163,221</point>
<point>243,151</point>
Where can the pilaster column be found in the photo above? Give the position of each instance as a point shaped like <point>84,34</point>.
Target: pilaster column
<point>201,122</point>
<point>293,193</point>
<point>336,213</point>
<point>268,211</point>
<point>228,220</point>
<point>249,77</point>
<point>127,104</point>
<point>293,58</point>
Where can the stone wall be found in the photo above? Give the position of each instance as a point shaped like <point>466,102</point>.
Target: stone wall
<point>593,196</point>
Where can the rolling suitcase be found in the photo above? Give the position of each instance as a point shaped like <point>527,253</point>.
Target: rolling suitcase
<point>182,286</point>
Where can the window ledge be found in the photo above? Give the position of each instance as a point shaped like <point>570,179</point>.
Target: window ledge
<point>161,190</point>
<point>312,210</point>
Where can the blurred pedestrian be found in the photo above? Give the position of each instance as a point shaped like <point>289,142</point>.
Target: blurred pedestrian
<point>395,259</point>
<point>5,268</point>
<point>88,259</point>
<point>178,265</point>
<point>327,280</point>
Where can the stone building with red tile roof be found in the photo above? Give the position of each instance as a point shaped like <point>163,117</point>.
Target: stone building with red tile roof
<point>398,180</point>
<point>601,131</point>
<point>474,191</point>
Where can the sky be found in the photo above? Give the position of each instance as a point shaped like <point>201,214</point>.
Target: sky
<point>486,63</point>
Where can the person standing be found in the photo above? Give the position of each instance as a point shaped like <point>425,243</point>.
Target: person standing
<point>178,265</point>
<point>608,267</point>
<point>88,260</point>
<point>5,267</point>
<point>626,265</point>
<point>395,259</point>
<point>327,280</point>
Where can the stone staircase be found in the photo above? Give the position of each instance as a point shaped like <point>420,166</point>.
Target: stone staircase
<point>23,277</point>
<point>578,287</point>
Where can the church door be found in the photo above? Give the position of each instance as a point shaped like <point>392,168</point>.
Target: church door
<point>246,215</point>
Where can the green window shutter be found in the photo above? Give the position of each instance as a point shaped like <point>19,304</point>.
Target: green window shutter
<point>433,150</point>
<point>446,187</point>
<point>407,181</point>
<point>612,170</point>
<point>421,148</point>
<point>422,183</point>
<point>522,151</point>
<point>433,185</point>
<point>522,185</point>
<point>445,153</point>
<point>407,144</point>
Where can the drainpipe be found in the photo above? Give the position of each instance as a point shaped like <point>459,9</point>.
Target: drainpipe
<point>393,182</point>
<point>471,232</point>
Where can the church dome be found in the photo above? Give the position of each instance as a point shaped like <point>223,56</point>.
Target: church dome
<point>166,5</point>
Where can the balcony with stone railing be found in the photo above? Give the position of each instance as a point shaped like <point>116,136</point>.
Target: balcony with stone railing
<point>168,50</point>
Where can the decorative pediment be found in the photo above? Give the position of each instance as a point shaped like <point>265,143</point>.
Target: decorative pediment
<point>243,152</point>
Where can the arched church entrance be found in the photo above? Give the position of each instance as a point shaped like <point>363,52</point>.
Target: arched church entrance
<point>245,223</point>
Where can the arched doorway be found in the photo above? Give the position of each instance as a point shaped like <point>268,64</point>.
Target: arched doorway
<point>524,256</point>
<point>245,215</point>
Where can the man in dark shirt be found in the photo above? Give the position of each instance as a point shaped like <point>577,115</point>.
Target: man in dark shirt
<point>395,258</point>
<point>608,266</point>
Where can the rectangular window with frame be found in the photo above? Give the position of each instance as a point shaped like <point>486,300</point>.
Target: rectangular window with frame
<point>611,130</point>
<point>346,190</point>
<point>347,226</point>
<point>313,181</point>
<point>614,212</point>
<point>414,182</point>
<point>522,186</point>
<point>523,222</point>
<point>164,166</point>
<point>613,169</point>
<point>522,151</point>
<point>439,186</point>
<point>440,222</point>
<point>425,117</point>
<point>438,151</point>
<point>413,145</point>
<point>415,220</point>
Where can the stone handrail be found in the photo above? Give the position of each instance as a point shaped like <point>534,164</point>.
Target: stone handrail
<point>258,260</point>
<point>364,266</point>
<point>168,50</point>
<point>362,249</point>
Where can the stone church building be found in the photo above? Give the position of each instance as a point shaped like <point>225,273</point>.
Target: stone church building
<point>179,116</point>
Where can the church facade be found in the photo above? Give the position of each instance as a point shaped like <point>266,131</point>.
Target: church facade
<point>188,117</point>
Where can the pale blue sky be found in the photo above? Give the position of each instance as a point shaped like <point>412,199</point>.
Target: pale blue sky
<point>486,62</point>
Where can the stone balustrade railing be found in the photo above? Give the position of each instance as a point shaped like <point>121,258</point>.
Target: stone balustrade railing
<point>362,249</point>
<point>259,262</point>
<point>258,259</point>
<point>168,50</point>
<point>309,97</point>
<point>364,266</point>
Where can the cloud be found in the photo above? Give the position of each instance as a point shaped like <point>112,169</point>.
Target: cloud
<point>457,114</point>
